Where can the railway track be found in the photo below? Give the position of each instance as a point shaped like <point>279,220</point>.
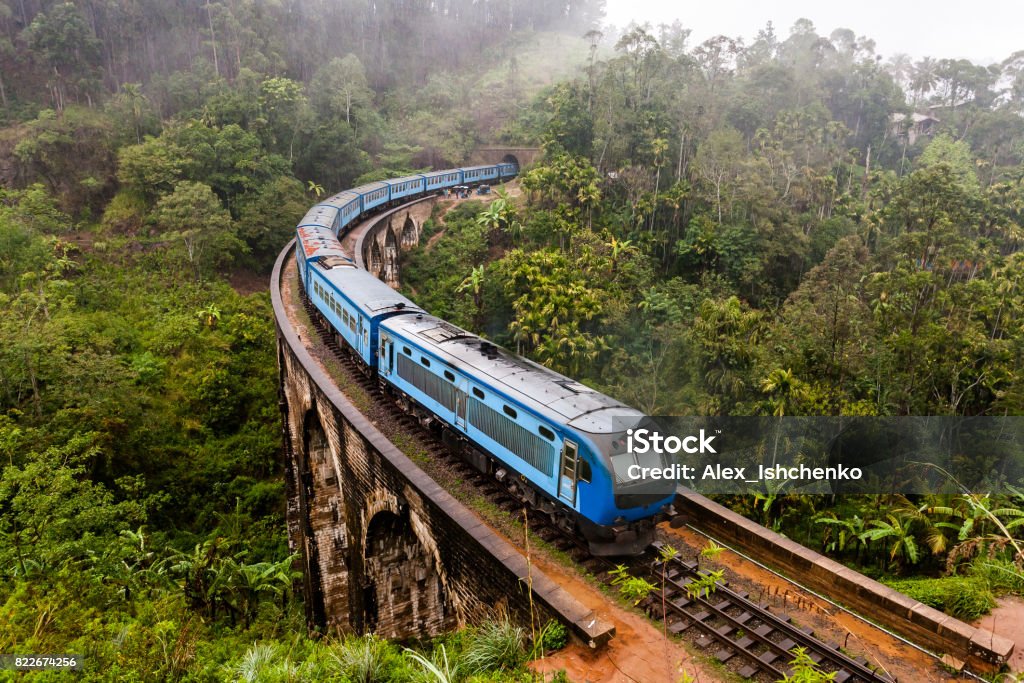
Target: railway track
<point>739,627</point>
<point>747,636</point>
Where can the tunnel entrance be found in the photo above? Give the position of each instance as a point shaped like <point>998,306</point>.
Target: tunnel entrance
<point>511,159</point>
<point>403,596</point>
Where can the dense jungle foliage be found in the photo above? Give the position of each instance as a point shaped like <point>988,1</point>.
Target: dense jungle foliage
<point>717,228</point>
<point>154,158</point>
<point>789,227</point>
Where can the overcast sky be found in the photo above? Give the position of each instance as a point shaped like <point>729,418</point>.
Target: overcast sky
<point>985,31</point>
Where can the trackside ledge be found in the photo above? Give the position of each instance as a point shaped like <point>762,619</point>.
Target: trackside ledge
<point>934,630</point>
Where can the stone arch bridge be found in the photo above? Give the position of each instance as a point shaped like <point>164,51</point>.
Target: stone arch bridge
<point>383,548</point>
<point>380,245</point>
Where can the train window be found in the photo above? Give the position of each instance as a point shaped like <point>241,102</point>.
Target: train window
<point>406,351</point>
<point>512,436</point>
<point>478,393</point>
<point>546,433</point>
<point>584,474</point>
<point>449,376</point>
<point>425,361</point>
<point>511,412</point>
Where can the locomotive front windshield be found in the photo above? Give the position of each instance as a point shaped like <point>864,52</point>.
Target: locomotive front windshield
<point>623,459</point>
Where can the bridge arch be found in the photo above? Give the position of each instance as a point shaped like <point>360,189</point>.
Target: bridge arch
<point>410,235</point>
<point>319,515</point>
<point>375,262</point>
<point>403,592</point>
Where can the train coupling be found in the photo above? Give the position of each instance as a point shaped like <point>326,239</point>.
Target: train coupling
<point>674,519</point>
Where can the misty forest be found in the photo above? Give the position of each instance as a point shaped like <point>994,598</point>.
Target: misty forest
<point>786,225</point>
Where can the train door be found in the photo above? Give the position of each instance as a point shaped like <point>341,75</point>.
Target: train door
<point>386,359</point>
<point>460,406</point>
<point>567,472</point>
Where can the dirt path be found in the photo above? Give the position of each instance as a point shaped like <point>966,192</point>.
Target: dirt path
<point>639,652</point>
<point>1007,620</point>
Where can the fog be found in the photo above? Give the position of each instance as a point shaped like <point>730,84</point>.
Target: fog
<point>983,34</point>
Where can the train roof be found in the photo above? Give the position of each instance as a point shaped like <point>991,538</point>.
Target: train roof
<point>340,200</point>
<point>403,179</point>
<point>320,243</point>
<point>474,168</point>
<point>555,396</point>
<point>368,187</point>
<point>368,293</point>
<point>431,174</point>
<point>320,215</point>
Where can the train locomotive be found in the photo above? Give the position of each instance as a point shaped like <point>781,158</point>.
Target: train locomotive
<point>556,444</point>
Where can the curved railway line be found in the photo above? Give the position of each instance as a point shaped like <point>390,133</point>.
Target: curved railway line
<point>746,636</point>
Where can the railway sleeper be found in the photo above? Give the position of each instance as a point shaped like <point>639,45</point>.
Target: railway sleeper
<point>679,626</point>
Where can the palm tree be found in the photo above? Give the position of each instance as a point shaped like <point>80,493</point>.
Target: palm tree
<point>783,388</point>
<point>850,530</point>
<point>924,77</point>
<point>131,94</point>
<point>490,217</point>
<point>898,530</point>
<point>474,284</point>
<point>619,249</point>
<point>973,518</point>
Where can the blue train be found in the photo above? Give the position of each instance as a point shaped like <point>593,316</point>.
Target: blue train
<point>556,444</point>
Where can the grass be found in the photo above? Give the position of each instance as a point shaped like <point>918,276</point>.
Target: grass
<point>965,598</point>
<point>497,645</point>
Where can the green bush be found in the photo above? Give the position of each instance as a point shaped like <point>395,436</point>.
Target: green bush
<point>963,598</point>
<point>497,645</point>
<point>554,636</point>
<point>1001,575</point>
<point>364,660</point>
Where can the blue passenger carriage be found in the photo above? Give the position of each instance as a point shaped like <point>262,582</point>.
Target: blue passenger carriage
<point>405,187</point>
<point>346,206</point>
<point>507,170</point>
<point>316,241</point>
<point>351,300</point>
<point>373,195</point>
<point>438,180</point>
<point>479,174</point>
<point>518,417</point>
